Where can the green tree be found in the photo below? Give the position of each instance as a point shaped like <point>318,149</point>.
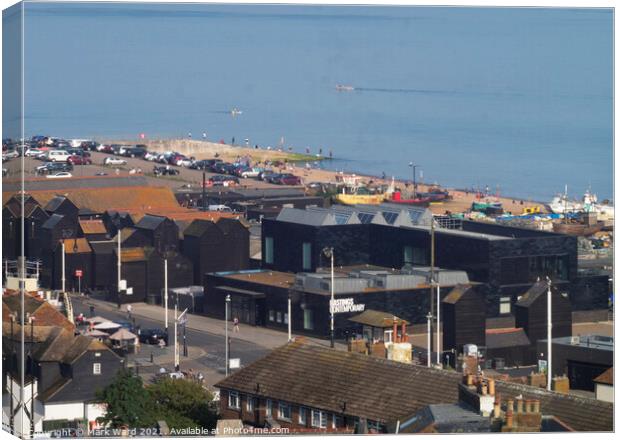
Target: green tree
<point>128,402</point>
<point>182,403</point>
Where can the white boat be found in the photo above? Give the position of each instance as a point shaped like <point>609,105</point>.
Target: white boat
<point>236,112</point>
<point>561,204</point>
<point>343,88</point>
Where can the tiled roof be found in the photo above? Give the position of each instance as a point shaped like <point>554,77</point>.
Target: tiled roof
<point>103,247</point>
<point>93,227</point>
<point>76,246</point>
<point>506,337</point>
<point>198,227</point>
<point>456,294</point>
<point>607,377</point>
<point>383,390</point>
<point>132,254</point>
<point>43,312</point>
<point>55,203</point>
<point>51,222</point>
<point>150,222</point>
<point>377,319</point>
<point>55,347</point>
<point>125,234</point>
<point>76,182</point>
<point>118,198</point>
<point>533,293</point>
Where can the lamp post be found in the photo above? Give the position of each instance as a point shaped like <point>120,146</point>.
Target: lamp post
<point>549,326</point>
<point>290,335</point>
<point>414,184</point>
<point>329,253</point>
<point>429,353</point>
<point>226,331</point>
<point>166,294</point>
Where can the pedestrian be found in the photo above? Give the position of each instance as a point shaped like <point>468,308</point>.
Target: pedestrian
<point>383,175</point>
<point>129,311</point>
<point>330,154</point>
<point>189,135</point>
<point>233,141</point>
<point>162,343</point>
<point>204,135</point>
<point>91,310</point>
<point>236,325</point>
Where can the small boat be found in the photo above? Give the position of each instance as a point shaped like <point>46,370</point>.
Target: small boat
<point>343,88</point>
<point>360,197</point>
<point>235,111</point>
<point>395,197</point>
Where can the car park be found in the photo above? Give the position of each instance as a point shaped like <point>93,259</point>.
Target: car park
<point>89,145</point>
<point>53,167</point>
<point>114,161</point>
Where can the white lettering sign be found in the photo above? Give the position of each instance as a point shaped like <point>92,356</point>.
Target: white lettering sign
<point>345,305</point>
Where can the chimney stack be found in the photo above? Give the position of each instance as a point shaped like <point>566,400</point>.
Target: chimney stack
<point>536,406</point>
<point>395,332</point>
<point>403,331</point>
<point>491,387</point>
<point>509,406</point>
<point>470,379</point>
<point>509,420</point>
<point>497,406</point>
<point>519,406</point>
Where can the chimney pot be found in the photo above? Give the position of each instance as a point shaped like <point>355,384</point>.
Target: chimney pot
<point>509,406</point>
<point>509,419</point>
<point>470,379</point>
<point>492,387</point>
<point>519,406</point>
<point>536,406</point>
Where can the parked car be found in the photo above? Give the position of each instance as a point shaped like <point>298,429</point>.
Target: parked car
<point>53,167</point>
<point>60,175</point>
<point>246,172</point>
<point>185,162</point>
<point>79,160</point>
<point>150,156</point>
<point>90,145</point>
<point>57,156</point>
<point>221,180</point>
<point>265,174</point>
<point>126,325</point>
<point>165,171</point>
<point>289,179</point>
<point>153,336</point>
<point>272,178</point>
<point>105,148</point>
<point>61,145</point>
<point>33,152</point>
<point>114,161</point>
<point>132,151</point>
<point>11,154</point>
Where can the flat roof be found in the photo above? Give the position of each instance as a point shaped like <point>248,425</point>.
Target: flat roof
<point>597,342</point>
<point>266,277</point>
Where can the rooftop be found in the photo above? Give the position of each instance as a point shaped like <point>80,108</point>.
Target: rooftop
<point>386,391</point>
<point>93,227</point>
<point>266,277</point>
<point>594,342</point>
<point>606,378</point>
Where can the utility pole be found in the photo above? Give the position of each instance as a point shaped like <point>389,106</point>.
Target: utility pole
<point>549,325</point>
<point>176,342</point>
<point>329,253</point>
<point>118,264</point>
<point>429,351</point>
<point>438,322</point>
<point>226,331</point>
<point>432,280</point>
<point>166,294</point>
<point>62,245</point>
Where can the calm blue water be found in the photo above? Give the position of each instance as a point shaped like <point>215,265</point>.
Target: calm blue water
<point>520,98</point>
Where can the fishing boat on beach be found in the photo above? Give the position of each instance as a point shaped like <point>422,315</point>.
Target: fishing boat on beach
<point>577,229</point>
<point>359,196</point>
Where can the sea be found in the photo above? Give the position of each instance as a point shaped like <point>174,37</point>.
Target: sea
<point>516,100</point>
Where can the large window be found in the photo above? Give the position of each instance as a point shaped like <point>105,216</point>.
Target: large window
<point>319,419</point>
<point>97,368</point>
<point>269,250</point>
<point>272,315</point>
<point>233,400</point>
<point>553,266</point>
<point>268,407</point>
<point>307,256</point>
<point>414,255</point>
<point>308,320</point>
<point>284,411</point>
<point>251,403</point>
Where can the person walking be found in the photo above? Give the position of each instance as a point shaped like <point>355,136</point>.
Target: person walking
<point>129,308</point>
<point>236,325</point>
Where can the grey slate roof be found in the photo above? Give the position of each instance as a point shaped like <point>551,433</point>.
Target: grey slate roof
<point>51,222</point>
<point>384,390</point>
<point>55,203</point>
<point>103,247</point>
<point>306,217</point>
<point>198,227</point>
<point>537,289</point>
<point>514,338</point>
<point>150,222</point>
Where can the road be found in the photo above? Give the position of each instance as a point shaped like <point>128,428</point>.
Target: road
<point>210,359</point>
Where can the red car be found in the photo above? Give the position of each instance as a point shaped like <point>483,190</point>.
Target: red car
<point>289,179</point>
<point>79,160</point>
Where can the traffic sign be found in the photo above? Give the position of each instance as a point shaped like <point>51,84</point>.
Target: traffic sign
<point>78,273</point>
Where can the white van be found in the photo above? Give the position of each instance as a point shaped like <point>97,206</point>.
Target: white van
<point>77,143</point>
<point>220,208</point>
<point>57,156</point>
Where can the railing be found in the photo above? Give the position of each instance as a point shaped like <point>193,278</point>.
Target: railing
<point>68,307</point>
<point>449,222</point>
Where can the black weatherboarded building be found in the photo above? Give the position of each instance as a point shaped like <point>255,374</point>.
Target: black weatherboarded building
<point>508,259</point>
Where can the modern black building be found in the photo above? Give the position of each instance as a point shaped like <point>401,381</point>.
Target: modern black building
<point>508,259</point>
<point>582,358</point>
<point>34,219</point>
<point>260,297</point>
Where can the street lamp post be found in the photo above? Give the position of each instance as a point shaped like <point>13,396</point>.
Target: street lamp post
<point>290,335</point>
<point>414,184</point>
<point>329,253</point>
<point>226,332</point>
<point>429,353</point>
<point>549,326</point>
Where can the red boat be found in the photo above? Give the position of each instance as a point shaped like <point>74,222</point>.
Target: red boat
<point>420,201</point>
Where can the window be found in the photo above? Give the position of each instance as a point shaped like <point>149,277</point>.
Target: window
<point>284,411</point>
<point>279,317</point>
<point>407,254</point>
<point>420,256</point>
<point>286,318</point>
<point>303,416</point>
<point>272,315</point>
<point>97,368</point>
<point>268,408</point>
<point>319,419</point>
<point>336,421</point>
<point>504,305</point>
<point>308,321</point>
<point>233,400</point>
<point>375,427</point>
<point>307,256</point>
<point>269,250</point>
<point>251,403</point>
